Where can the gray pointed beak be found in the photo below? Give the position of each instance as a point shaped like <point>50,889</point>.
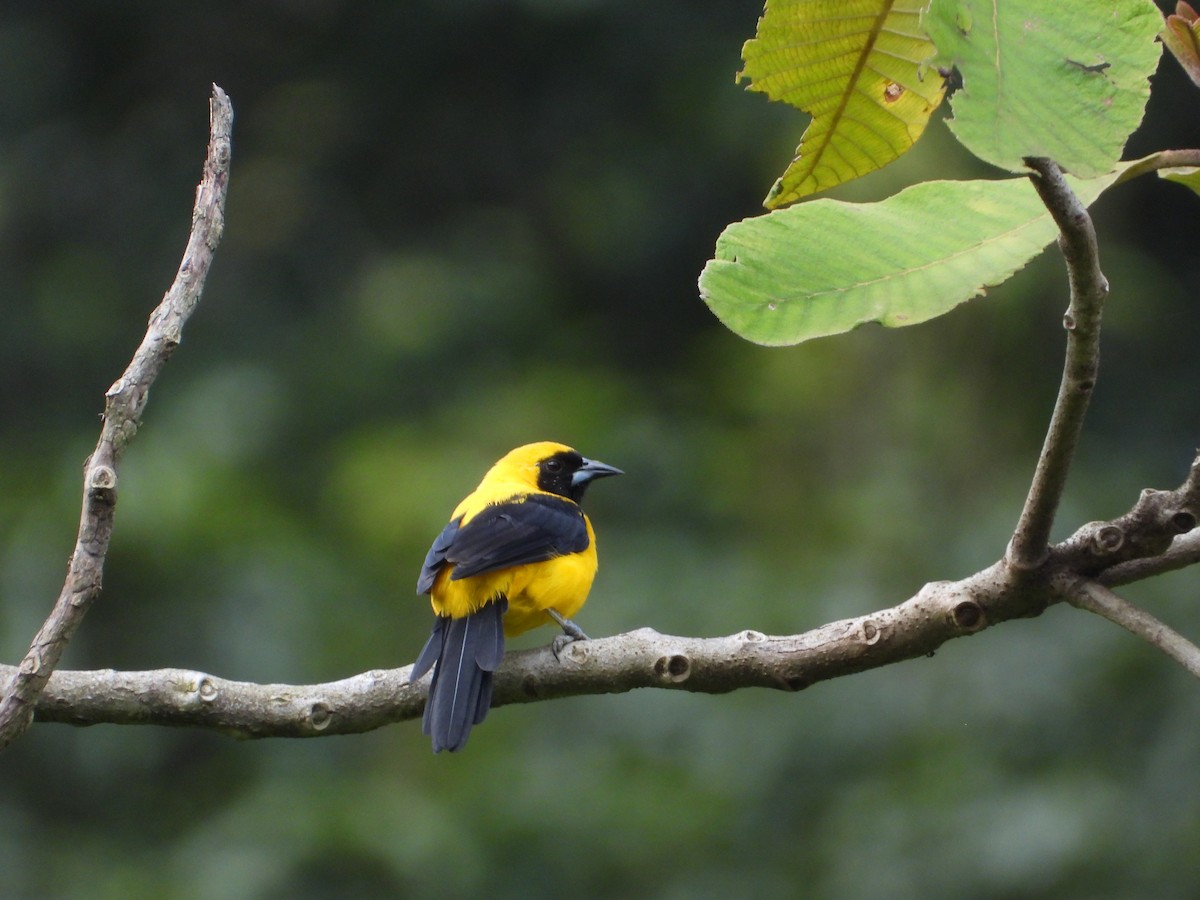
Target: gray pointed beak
<point>592,469</point>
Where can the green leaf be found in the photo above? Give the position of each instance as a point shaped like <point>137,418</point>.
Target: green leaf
<point>1065,79</point>
<point>1181,35</point>
<point>856,66</point>
<point>825,267</point>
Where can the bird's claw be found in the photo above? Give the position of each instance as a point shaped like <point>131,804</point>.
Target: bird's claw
<point>560,643</point>
<point>571,634</point>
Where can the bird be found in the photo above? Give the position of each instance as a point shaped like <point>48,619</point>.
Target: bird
<point>517,553</point>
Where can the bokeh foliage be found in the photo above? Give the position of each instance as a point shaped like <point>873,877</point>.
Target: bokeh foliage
<point>457,226</point>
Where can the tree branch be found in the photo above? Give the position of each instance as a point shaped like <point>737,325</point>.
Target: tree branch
<point>124,402</point>
<point>1163,159</point>
<point>939,612</point>
<point>1185,551</point>
<point>1028,548</point>
<point>1096,598</point>
<point>1031,575</point>
<point>1139,543</point>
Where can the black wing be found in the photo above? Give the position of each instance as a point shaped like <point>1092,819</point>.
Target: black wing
<point>540,527</point>
<point>512,533</point>
<point>436,557</point>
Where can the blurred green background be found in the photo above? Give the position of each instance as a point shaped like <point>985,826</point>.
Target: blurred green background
<point>458,226</point>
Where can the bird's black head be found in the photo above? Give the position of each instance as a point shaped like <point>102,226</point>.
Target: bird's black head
<point>568,474</point>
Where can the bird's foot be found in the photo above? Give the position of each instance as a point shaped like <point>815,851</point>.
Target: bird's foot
<point>571,633</point>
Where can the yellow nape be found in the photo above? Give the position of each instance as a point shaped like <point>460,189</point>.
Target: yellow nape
<point>515,473</point>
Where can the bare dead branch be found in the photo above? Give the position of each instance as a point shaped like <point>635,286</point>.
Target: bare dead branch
<point>123,407</point>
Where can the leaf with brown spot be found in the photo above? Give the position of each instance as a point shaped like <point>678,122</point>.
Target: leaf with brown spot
<point>857,67</point>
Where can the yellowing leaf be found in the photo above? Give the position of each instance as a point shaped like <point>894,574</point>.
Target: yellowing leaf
<point>856,67</point>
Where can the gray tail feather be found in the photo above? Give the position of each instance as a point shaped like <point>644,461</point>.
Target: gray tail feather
<point>463,654</point>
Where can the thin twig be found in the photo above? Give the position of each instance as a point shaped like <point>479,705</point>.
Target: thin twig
<point>1163,159</point>
<point>1184,551</point>
<point>1097,598</point>
<point>1030,541</point>
<point>124,402</point>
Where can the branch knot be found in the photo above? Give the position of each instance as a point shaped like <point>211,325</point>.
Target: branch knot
<point>674,669</point>
<point>102,480</point>
<point>969,616</point>
<point>1107,539</point>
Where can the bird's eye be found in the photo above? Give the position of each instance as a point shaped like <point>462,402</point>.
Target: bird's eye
<point>553,465</point>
